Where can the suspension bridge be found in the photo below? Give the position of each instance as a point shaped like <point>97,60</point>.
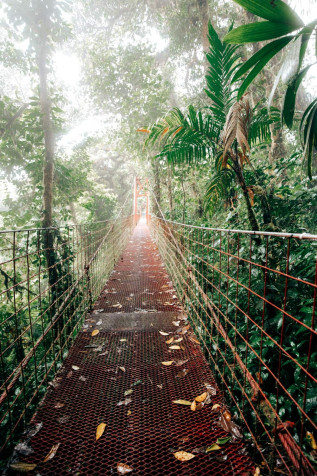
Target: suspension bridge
<point>154,347</point>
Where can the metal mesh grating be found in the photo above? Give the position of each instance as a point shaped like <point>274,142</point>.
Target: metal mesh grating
<point>146,438</point>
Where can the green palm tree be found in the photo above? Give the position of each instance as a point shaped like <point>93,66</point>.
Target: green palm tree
<point>220,134</point>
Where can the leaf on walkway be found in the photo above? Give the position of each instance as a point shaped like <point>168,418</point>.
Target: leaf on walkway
<point>124,402</point>
<point>167,363</point>
<point>160,386</point>
<point>51,453</point>
<point>178,340</point>
<point>227,415</point>
<point>230,426</point>
<point>211,389</point>
<point>213,447</point>
<point>123,468</point>
<point>100,429</point>
<point>75,367</point>
<point>164,333</point>
<point>128,392</point>
<point>215,406</point>
<point>169,341</point>
<point>137,382</point>
<point>129,412</point>
<point>82,378</point>
<point>117,305</point>
<point>193,339</point>
<point>176,323</point>
<point>182,373</point>
<point>22,467</point>
<point>181,362</point>
<point>94,332</point>
<point>183,456</point>
<point>59,405</point>
<point>202,397</point>
<point>182,402</point>
<point>193,406</point>
<point>223,441</point>
<point>174,347</point>
<point>122,369</point>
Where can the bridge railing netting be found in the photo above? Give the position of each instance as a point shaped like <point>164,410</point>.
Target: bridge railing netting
<point>49,280</point>
<point>251,298</point>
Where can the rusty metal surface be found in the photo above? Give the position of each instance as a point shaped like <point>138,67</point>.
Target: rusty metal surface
<point>146,431</point>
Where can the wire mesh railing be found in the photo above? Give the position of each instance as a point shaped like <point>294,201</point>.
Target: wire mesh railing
<point>251,297</point>
<point>49,280</point>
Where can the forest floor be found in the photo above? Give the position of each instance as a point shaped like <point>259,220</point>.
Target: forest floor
<point>137,380</point>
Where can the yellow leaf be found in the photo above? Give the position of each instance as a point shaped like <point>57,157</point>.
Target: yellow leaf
<point>216,405</point>
<point>169,341</point>
<point>257,472</point>
<point>169,362</point>
<point>174,347</point>
<point>128,392</point>
<point>129,412</point>
<point>100,430</point>
<point>183,456</point>
<point>143,130</point>
<point>178,340</point>
<point>193,406</point>
<point>51,453</point>
<point>202,397</point>
<point>123,468</point>
<point>193,339</point>
<point>163,333</point>
<point>312,440</point>
<point>182,402</point>
<point>95,332</point>
<point>176,323</point>
<point>213,447</point>
<point>22,467</point>
<point>123,340</point>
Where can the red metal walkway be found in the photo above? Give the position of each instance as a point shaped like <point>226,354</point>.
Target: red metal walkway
<point>117,377</point>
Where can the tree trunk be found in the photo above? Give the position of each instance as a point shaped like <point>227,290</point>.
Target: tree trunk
<point>251,216</point>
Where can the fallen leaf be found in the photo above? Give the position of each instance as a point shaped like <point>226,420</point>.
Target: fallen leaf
<point>223,441</point>
<point>181,362</point>
<point>100,430</point>
<point>51,453</point>
<point>230,427</point>
<point>122,368</point>
<point>211,389</point>
<point>200,449</point>
<point>193,406</point>
<point>185,328</point>
<point>124,402</point>
<point>194,340</point>
<point>169,341</point>
<point>174,347</point>
<point>257,472</point>
<point>74,367</point>
<point>227,415</point>
<point>182,373</point>
<point>82,378</point>
<point>184,439</point>
<point>164,333</point>
<point>137,382</point>
<point>129,412</point>
<point>117,305</point>
<point>123,468</point>
<point>178,340</point>
<point>202,397</point>
<point>95,332</point>
<point>182,402</point>
<point>215,406</point>
<point>22,467</point>
<point>169,362</point>
<point>123,340</point>
<point>59,405</point>
<point>176,323</point>
<point>312,440</point>
<point>213,447</point>
<point>183,456</point>
<point>160,386</point>
<point>128,392</point>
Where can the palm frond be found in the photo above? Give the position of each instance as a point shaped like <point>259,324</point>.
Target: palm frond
<point>237,126</point>
<point>218,186</point>
<point>262,118</point>
<point>223,62</point>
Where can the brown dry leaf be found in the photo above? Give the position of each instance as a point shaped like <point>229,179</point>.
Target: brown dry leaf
<point>51,453</point>
<point>169,341</point>
<point>124,402</point>
<point>129,412</point>
<point>215,406</point>
<point>181,362</point>
<point>100,429</point>
<point>59,405</point>
<point>95,332</point>
<point>182,402</point>
<point>202,397</point>
<point>178,340</point>
<point>182,373</point>
<point>193,406</point>
<point>22,467</point>
<point>167,363</point>
<point>213,447</point>
<point>211,389</point>
<point>230,427</point>
<point>123,468</point>
<point>174,347</point>
<point>193,339</point>
<point>185,328</point>
<point>122,368</point>
<point>164,333</point>
<point>75,367</point>
<point>183,456</point>
<point>227,415</point>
